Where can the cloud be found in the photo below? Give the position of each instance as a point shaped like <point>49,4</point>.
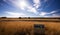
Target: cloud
<point>55,15</point>
<point>50,14</point>
<point>43,14</point>
<point>17,3</point>
<point>14,14</point>
<point>54,11</point>
<point>37,3</point>
<point>23,4</point>
<point>32,9</point>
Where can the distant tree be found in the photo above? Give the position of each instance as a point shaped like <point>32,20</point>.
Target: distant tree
<point>3,17</point>
<point>19,17</point>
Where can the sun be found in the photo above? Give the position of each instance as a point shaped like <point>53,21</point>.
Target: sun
<point>22,4</point>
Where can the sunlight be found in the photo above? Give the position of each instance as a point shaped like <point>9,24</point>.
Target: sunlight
<point>22,4</point>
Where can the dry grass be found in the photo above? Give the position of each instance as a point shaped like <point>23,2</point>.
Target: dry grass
<point>26,27</point>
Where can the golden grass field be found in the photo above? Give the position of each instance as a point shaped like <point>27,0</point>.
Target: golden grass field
<point>17,26</point>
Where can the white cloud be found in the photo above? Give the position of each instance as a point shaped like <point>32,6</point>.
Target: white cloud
<point>18,3</point>
<point>32,9</point>
<point>23,4</point>
<point>42,13</point>
<point>37,3</point>
<point>14,14</point>
<point>52,14</point>
<point>46,13</point>
<point>54,11</point>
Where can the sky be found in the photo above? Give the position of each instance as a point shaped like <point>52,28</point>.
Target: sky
<point>29,8</point>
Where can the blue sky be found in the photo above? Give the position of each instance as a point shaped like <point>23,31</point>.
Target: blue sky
<point>29,8</point>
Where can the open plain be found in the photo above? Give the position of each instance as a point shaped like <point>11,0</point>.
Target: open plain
<point>25,26</point>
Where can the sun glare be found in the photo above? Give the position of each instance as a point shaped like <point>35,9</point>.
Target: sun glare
<point>22,4</point>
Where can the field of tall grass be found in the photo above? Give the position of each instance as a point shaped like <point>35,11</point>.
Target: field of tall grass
<point>27,27</point>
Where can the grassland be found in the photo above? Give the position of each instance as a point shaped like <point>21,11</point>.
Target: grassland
<point>26,26</point>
